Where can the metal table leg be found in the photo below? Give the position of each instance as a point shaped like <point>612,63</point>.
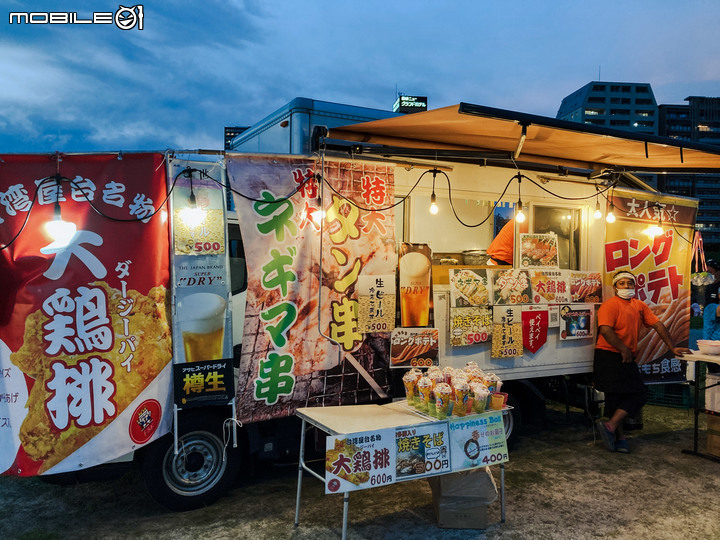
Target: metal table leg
<point>301,466</point>
<point>346,506</point>
<point>502,493</point>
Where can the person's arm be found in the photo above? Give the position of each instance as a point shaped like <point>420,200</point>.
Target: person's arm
<point>659,327</point>
<point>612,338</point>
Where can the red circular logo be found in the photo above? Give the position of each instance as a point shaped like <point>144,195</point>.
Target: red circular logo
<point>333,485</point>
<point>145,421</point>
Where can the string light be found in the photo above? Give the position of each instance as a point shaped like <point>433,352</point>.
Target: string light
<point>433,203</point>
<point>598,213</point>
<point>656,229</point>
<point>519,214</point>
<point>192,215</point>
<point>610,218</point>
<point>60,232</point>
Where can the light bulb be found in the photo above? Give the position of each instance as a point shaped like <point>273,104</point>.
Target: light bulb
<point>61,232</point>
<point>610,218</point>
<point>433,205</point>
<point>519,215</point>
<point>191,215</point>
<point>598,213</point>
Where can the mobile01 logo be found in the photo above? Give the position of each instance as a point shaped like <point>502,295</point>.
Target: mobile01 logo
<point>125,18</point>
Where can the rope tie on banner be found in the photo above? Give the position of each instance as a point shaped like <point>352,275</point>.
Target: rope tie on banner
<point>699,253</point>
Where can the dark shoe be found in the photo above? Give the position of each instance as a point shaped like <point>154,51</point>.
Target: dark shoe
<point>622,446</point>
<point>607,436</point>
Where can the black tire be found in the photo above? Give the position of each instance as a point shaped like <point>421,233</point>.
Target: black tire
<point>202,471</point>
<point>513,424</point>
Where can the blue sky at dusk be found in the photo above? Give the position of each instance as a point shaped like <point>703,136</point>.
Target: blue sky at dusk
<point>193,70</point>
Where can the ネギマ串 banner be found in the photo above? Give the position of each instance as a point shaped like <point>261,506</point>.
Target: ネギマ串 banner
<point>306,246</point>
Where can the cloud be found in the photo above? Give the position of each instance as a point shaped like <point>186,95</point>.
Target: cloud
<point>198,67</point>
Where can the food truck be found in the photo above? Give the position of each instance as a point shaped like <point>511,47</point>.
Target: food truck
<point>176,308</point>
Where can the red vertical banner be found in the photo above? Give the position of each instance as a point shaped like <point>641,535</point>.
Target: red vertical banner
<point>652,238</point>
<point>84,335</point>
<point>535,327</point>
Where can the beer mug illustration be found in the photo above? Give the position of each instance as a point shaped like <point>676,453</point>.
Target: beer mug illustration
<point>202,324</point>
<point>414,289</point>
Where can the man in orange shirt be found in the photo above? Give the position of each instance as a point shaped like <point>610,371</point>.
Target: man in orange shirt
<point>616,372</point>
<point>502,247</point>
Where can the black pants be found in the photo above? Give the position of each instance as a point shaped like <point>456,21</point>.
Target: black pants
<point>621,382</point>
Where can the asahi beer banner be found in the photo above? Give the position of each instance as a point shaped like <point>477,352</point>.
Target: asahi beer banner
<point>662,266</point>
<point>304,257</point>
<point>202,321</point>
<point>85,342</point>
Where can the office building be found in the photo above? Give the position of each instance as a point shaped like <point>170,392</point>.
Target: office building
<point>617,105</point>
<point>698,122</point>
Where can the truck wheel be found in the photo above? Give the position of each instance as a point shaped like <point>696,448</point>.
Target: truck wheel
<point>513,422</point>
<point>203,469</point>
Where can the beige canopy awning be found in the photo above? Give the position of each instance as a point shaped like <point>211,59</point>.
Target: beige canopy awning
<point>469,129</point>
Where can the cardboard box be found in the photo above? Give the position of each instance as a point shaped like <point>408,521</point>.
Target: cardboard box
<point>713,435</point>
<point>461,499</point>
<point>460,513</point>
<point>712,395</point>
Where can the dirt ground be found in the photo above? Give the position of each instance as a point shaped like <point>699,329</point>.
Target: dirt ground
<point>560,482</point>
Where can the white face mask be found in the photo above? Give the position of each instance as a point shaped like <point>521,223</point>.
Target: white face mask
<point>626,294</point>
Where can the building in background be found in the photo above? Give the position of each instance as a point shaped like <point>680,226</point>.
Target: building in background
<point>698,122</point>
<point>618,105</point>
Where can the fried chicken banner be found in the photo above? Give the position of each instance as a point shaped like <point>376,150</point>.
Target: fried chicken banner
<point>84,335</point>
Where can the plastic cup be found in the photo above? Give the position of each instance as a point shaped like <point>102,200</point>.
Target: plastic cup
<point>424,387</point>
<point>462,392</point>
<point>480,394</point>
<point>443,394</point>
<point>410,385</point>
<point>497,401</point>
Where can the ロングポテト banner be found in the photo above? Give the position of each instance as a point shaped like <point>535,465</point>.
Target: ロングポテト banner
<point>660,259</point>
<point>85,342</point>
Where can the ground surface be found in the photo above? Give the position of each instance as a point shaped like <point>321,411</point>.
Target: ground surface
<point>561,483</point>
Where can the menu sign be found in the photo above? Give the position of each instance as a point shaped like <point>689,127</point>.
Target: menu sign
<point>380,457</point>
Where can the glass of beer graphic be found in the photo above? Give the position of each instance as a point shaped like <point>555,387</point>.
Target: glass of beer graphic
<point>202,323</point>
<point>414,289</point>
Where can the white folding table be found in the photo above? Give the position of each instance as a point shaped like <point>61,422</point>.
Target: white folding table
<point>348,419</point>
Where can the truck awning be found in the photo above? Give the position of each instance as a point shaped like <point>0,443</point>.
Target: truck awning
<point>472,129</point>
